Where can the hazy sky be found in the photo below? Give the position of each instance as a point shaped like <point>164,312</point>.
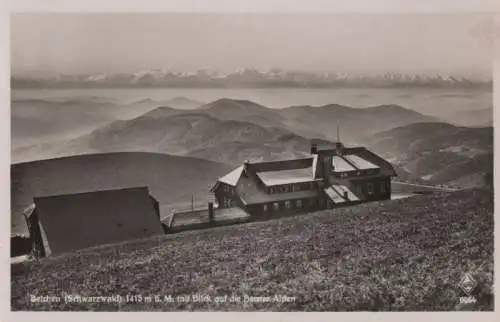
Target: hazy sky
<point>119,42</point>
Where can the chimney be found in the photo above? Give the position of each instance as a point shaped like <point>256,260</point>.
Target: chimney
<point>210,211</point>
<point>245,167</point>
<point>314,148</point>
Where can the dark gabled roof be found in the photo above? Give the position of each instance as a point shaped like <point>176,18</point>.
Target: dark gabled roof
<point>364,159</point>
<point>76,221</point>
<point>386,167</point>
<point>280,165</point>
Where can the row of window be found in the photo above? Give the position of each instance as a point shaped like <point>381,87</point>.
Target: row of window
<point>370,188</point>
<point>292,187</point>
<point>288,204</point>
<point>228,189</point>
<point>358,173</point>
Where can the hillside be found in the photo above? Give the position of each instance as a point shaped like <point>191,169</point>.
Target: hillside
<point>171,179</point>
<point>40,121</point>
<point>310,121</point>
<point>243,110</point>
<point>438,152</point>
<point>318,121</point>
<point>393,255</point>
<point>475,118</point>
<point>33,121</point>
<point>183,103</point>
<point>355,123</point>
<point>195,133</point>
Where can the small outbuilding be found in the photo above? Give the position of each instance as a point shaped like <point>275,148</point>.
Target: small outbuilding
<point>65,223</point>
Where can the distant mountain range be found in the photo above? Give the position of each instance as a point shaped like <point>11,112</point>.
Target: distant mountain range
<point>246,77</point>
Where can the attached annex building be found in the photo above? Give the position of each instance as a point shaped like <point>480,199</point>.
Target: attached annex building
<point>329,178</point>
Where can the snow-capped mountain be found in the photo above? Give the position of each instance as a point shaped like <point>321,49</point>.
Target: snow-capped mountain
<point>245,77</point>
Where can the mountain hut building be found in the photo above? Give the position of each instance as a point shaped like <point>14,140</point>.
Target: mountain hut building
<point>330,178</point>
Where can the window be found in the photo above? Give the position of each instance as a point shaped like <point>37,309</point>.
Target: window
<point>271,190</point>
<point>286,188</point>
<point>265,207</point>
<point>276,206</point>
<point>312,202</point>
<point>382,187</point>
<point>370,188</point>
<point>288,204</point>
<point>298,203</point>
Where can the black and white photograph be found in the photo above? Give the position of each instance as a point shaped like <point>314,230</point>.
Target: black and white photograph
<point>251,162</point>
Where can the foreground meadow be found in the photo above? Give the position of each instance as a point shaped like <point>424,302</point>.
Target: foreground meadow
<point>406,254</point>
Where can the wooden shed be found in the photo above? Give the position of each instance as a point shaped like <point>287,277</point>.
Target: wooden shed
<point>65,223</point>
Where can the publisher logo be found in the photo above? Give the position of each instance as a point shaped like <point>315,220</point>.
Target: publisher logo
<point>468,283</point>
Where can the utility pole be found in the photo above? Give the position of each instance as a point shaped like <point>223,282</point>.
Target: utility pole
<point>192,202</point>
<point>338,133</point>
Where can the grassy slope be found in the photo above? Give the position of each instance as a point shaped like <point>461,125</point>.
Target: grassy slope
<point>171,179</point>
<point>393,255</point>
